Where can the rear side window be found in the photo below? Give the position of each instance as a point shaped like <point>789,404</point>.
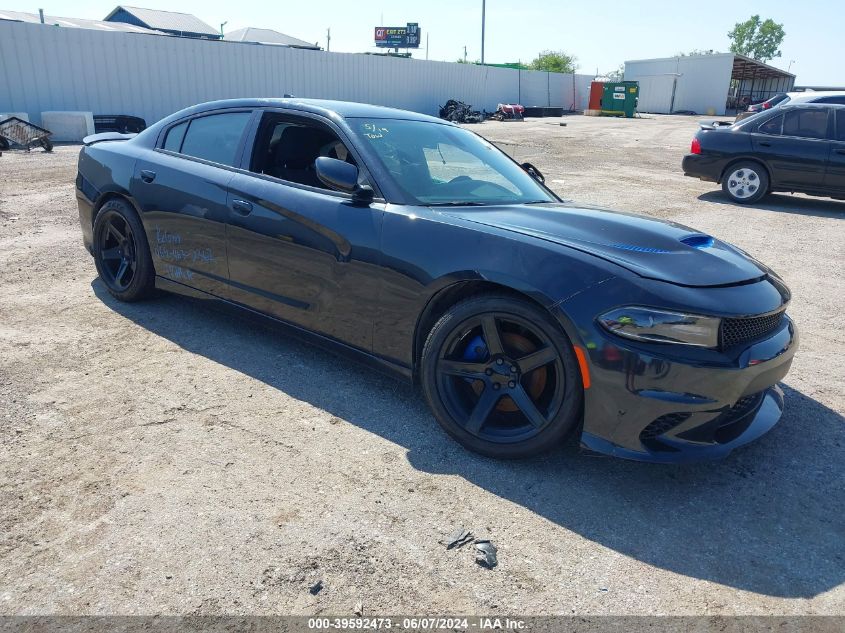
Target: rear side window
<point>772,126</point>
<point>173,142</point>
<point>805,123</point>
<point>215,137</point>
<point>839,100</point>
<point>840,125</point>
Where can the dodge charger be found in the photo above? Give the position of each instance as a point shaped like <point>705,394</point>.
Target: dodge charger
<point>418,246</point>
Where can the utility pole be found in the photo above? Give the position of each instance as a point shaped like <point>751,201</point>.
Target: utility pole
<point>483,12</point>
<point>465,54</point>
<point>328,40</point>
<point>426,46</point>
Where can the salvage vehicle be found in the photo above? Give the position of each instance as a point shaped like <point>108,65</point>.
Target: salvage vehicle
<point>755,108</point>
<point>783,98</point>
<point>793,148</point>
<point>418,246</point>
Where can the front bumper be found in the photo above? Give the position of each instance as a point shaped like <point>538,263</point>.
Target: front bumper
<point>662,408</point>
<point>670,403</point>
<point>727,431</point>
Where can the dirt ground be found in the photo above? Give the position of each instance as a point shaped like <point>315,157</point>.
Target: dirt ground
<point>168,458</point>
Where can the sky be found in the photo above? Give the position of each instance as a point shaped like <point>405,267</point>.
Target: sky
<point>601,35</point>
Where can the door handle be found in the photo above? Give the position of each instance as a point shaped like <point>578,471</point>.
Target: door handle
<point>147,175</point>
<point>765,144</point>
<point>242,206</point>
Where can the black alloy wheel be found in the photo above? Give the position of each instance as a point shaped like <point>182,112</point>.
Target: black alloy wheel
<point>121,253</point>
<point>501,377</point>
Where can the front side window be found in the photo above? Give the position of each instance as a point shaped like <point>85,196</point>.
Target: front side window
<point>214,138</point>
<point>444,164</point>
<point>806,123</point>
<point>287,148</point>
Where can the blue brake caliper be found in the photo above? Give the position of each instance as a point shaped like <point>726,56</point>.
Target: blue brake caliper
<point>476,350</point>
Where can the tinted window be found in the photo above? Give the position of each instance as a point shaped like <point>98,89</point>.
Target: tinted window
<point>216,137</point>
<point>839,100</point>
<point>840,125</point>
<point>805,123</point>
<point>772,126</point>
<point>173,142</point>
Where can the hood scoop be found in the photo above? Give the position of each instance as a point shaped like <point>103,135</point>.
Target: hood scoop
<point>699,241</point>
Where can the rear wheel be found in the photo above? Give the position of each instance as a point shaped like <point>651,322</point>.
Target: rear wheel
<point>121,253</point>
<point>745,183</point>
<point>501,377</point>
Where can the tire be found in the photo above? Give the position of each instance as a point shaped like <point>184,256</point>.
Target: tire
<point>121,252</point>
<point>522,406</point>
<point>745,182</point>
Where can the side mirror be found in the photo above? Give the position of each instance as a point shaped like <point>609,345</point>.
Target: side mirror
<point>533,172</point>
<point>342,176</point>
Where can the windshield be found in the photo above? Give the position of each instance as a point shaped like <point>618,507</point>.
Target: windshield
<point>438,164</point>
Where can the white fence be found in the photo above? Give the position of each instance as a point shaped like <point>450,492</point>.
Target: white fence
<point>51,68</point>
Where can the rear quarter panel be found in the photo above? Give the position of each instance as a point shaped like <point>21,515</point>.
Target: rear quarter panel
<point>721,146</point>
<point>103,169</point>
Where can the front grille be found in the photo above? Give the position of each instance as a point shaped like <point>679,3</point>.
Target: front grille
<point>738,418</point>
<point>663,424</point>
<point>737,331</point>
<point>742,406</point>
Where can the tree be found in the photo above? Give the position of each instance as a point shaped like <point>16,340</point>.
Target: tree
<point>555,62</point>
<point>757,39</point>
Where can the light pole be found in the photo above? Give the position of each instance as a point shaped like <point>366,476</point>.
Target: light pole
<point>222,24</point>
<point>483,15</point>
<point>791,61</point>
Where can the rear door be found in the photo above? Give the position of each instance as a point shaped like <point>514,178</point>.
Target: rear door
<point>835,176</point>
<point>298,250</point>
<point>181,187</point>
<point>795,145</point>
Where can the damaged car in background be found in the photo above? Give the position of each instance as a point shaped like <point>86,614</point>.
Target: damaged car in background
<point>419,247</point>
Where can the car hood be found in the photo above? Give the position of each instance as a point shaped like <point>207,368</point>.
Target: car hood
<point>652,248</point>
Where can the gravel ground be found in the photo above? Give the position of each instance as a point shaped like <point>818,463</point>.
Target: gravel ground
<point>169,458</point>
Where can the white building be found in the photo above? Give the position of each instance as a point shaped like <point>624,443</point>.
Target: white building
<point>715,84</point>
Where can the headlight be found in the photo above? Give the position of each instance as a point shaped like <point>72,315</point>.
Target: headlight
<point>660,326</point>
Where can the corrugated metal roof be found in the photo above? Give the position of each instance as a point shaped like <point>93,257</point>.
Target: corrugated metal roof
<point>77,23</point>
<point>167,20</point>
<point>267,36</point>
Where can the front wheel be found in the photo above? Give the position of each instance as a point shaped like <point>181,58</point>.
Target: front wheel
<point>121,253</point>
<point>746,183</point>
<point>500,377</point>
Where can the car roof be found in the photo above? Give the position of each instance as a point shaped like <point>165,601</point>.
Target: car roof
<point>325,107</point>
<point>803,105</point>
<point>809,94</point>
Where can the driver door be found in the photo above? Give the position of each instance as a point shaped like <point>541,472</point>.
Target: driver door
<point>297,250</point>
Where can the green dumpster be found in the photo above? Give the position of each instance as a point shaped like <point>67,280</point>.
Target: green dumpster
<point>620,98</point>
